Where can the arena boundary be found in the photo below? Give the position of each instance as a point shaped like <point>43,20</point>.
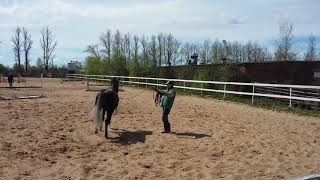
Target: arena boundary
<point>199,86</point>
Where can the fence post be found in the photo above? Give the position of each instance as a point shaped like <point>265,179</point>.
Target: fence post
<point>290,97</point>
<point>184,85</point>
<point>202,88</point>
<point>224,91</point>
<point>41,79</point>
<point>120,83</point>
<point>252,94</point>
<point>87,84</point>
<point>146,83</point>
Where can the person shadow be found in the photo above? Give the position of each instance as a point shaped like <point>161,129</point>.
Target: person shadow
<point>130,137</point>
<point>190,135</point>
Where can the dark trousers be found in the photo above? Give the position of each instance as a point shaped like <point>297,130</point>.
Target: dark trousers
<point>165,119</point>
<point>10,83</point>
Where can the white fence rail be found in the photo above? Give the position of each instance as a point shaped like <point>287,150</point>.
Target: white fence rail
<point>199,86</point>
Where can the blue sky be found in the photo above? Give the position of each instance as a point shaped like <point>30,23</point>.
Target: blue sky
<point>77,23</point>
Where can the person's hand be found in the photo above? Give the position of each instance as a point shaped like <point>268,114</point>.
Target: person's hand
<point>156,90</point>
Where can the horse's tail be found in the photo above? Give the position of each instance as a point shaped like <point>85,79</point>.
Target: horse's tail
<point>97,112</point>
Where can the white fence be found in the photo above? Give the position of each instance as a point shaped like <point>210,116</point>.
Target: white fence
<point>199,86</point>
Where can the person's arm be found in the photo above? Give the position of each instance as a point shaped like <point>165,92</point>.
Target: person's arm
<point>163,92</point>
<point>171,93</point>
<point>157,90</point>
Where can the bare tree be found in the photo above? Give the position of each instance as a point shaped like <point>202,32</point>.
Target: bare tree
<point>170,43</point>
<point>39,63</point>
<point>216,51</point>
<point>257,53</point>
<point>160,49</point>
<point>93,50</point>
<point>27,45</point>
<point>248,49</point>
<point>135,48</point>
<point>266,55</point>
<point>117,44</point>
<point>144,43</point>
<point>186,52</point>
<point>127,46</point>
<point>194,48</point>
<point>153,50</point>
<point>48,45</point>
<point>285,50</point>
<point>17,45</point>
<point>204,51</point>
<point>106,40</point>
<point>311,54</point>
<point>164,49</point>
<point>236,52</point>
<point>176,50</point>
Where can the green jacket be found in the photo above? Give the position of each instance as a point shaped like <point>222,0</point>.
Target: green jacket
<point>166,101</point>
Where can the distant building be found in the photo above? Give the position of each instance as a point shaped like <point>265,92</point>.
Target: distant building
<point>74,65</point>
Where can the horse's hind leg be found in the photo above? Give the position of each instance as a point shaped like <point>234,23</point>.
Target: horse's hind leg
<point>103,113</point>
<point>107,122</point>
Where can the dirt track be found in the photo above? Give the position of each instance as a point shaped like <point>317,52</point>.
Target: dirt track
<point>53,138</point>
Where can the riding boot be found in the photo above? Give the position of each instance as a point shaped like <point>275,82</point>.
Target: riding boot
<point>167,128</point>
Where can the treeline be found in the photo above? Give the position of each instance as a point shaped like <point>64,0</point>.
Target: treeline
<point>119,53</point>
<point>34,70</point>
<point>126,54</point>
<point>22,44</point>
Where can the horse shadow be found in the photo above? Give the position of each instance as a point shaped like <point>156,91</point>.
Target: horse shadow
<point>190,135</point>
<point>130,137</point>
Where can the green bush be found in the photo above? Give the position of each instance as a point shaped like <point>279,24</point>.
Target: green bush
<point>93,65</point>
<point>4,69</point>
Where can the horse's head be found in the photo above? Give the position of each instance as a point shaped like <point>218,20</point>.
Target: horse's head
<point>114,84</point>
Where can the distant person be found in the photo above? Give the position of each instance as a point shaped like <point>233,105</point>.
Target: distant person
<point>10,80</point>
<point>168,96</point>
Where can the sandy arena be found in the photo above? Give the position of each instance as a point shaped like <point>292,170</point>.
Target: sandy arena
<point>53,138</point>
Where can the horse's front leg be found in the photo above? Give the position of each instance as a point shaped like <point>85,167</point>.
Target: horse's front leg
<point>103,120</point>
<point>116,106</point>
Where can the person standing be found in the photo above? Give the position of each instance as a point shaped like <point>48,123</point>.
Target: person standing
<point>168,96</point>
<point>10,80</point>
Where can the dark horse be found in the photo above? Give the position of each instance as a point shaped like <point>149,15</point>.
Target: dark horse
<point>106,101</point>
